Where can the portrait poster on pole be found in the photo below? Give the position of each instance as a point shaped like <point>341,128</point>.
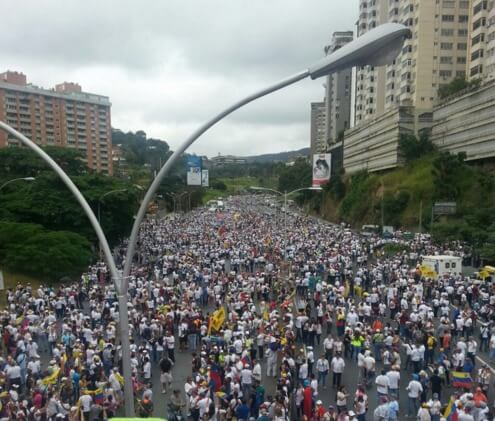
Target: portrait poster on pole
<point>322,167</point>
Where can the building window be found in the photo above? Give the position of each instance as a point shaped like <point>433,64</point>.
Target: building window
<point>462,46</point>
<point>446,60</point>
<point>445,73</point>
<point>447,32</point>
<point>462,32</point>
<point>461,60</point>
<point>448,18</point>
<point>446,46</point>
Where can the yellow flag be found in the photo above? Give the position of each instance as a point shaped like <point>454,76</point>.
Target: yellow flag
<point>52,378</point>
<point>217,319</point>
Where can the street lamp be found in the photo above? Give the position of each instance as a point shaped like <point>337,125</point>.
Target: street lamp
<point>377,47</point>
<point>17,179</point>
<point>285,194</point>
<point>106,194</point>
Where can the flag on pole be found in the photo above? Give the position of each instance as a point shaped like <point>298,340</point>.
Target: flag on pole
<point>451,411</point>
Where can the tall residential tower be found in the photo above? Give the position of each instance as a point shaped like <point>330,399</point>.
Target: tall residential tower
<point>64,116</point>
<point>338,94</point>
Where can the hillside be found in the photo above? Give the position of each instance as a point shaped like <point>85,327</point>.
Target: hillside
<point>279,157</point>
<point>397,198</point>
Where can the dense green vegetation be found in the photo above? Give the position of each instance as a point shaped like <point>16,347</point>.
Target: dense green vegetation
<point>457,85</point>
<point>43,214</point>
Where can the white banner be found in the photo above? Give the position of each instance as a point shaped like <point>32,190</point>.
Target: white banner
<point>205,178</point>
<point>322,167</point>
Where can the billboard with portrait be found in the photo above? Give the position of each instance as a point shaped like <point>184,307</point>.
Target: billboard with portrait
<point>322,167</point>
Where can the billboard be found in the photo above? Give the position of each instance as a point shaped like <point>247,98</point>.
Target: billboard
<point>193,170</point>
<point>205,178</point>
<point>322,167</point>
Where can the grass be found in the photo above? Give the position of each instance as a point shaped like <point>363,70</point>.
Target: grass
<point>238,185</point>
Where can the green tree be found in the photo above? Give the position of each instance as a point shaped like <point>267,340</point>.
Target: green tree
<point>295,177</point>
<point>411,147</point>
<point>457,85</point>
<point>448,171</point>
<point>46,255</point>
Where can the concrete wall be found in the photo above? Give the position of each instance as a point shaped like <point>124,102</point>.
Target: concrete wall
<point>467,123</point>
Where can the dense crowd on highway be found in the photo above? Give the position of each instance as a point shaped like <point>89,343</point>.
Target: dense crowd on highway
<point>233,318</point>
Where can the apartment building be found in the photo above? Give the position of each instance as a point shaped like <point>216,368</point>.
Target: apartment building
<point>434,56</point>
<point>338,94</point>
<point>370,80</point>
<point>64,116</point>
<point>318,125</point>
<point>481,46</point>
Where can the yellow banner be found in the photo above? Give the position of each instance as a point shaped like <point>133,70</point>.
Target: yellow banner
<point>52,378</point>
<point>218,318</point>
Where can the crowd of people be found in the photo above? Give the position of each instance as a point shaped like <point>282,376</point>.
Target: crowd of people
<point>233,318</point>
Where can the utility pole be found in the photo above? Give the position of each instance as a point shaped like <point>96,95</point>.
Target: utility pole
<point>420,215</point>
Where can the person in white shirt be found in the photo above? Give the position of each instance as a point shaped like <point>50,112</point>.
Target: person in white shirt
<point>338,365</point>
<point>246,380</point>
<point>414,390</point>
<point>322,368</point>
<point>382,384</point>
<point>393,380</point>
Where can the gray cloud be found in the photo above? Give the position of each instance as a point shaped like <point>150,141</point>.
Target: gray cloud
<point>169,65</point>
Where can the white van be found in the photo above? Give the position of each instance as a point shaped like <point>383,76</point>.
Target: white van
<point>443,264</point>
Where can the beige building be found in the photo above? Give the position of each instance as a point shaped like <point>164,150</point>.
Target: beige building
<point>337,94</point>
<point>481,47</point>
<point>370,81</point>
<point>64,116</point>
<point>318,126</point>
<point>434,56</point>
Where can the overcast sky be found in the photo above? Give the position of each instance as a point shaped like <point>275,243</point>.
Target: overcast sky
<point>169,65</point>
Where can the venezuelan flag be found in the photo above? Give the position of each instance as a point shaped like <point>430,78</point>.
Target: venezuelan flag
<point>451,411</point>
<point>460,379</point>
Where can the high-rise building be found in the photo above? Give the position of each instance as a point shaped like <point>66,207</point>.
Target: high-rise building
<point>370,80</point>
<point>481,46</point>
<point>338,94</point>
<point>435,54</point>
<point>64,116</point>
<point>318,121</point>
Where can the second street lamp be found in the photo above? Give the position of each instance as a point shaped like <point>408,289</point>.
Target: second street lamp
<point>17,179</point>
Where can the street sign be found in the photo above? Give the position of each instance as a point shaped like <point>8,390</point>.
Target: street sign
<point>444,208</point>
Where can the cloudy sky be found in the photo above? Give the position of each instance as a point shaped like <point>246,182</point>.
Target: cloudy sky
<point>169,65</point>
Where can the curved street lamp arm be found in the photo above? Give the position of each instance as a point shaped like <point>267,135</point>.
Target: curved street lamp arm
<point>178,152</point>
<point>301,189</point>
<point>11,181</point>
<point>267,189</point>
<point>110,192</point>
